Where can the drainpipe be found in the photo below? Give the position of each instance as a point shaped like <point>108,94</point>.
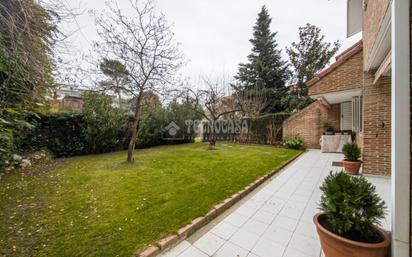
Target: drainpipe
<point>400,157</point>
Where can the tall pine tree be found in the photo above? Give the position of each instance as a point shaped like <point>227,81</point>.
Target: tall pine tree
<point>309,56</point>
<point>265,68</point>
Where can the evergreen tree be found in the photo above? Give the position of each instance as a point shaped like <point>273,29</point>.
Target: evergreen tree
<point>309,56</point>
<point>265,68</point>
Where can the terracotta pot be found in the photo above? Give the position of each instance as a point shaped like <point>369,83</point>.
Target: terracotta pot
<point>352,167</point>
<point>337,246</point>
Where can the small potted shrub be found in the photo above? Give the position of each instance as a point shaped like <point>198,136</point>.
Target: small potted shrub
<point>351,163</point>
<point>351,210</point>
<point>328,128</point>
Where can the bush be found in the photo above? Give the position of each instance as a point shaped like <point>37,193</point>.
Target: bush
<point>103,123</point>
<point>59,133</point>
<point>13,124</point>
<point>351,152</point>
<point>352,207</point>
<point>295,142</point>
<point>6,144</point>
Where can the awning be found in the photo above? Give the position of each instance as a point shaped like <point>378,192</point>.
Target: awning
<point>339,96</point>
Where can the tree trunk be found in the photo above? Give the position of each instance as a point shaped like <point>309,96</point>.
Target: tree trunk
<point>212,137</point>
<point>135,127</point>
<point>212,143</point>
<point>132,143</point>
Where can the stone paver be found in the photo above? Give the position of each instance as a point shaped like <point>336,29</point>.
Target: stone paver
<point>277,220</point>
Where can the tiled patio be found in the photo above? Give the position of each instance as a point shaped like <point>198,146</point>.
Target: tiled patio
<point>277,220</point>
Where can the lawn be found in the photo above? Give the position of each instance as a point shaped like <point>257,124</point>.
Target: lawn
<point>97,205</point>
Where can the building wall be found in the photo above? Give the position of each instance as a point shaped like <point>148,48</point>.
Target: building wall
<point>377,125</point>
<point>308,123</point>
<point>74,104</point>
<point>372,20</point>
<point>347,76</point>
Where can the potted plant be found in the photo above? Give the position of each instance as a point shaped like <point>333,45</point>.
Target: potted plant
<point>328,128</point>
<point>351,210</point>
<point>351,163</point>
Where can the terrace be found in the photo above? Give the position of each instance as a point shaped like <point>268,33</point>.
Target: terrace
<point>275,220</point>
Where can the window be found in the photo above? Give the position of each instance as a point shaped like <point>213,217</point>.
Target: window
<point>357,113</point>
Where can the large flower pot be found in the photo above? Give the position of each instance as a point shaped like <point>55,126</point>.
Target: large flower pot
<point>352,167</point>
<point>336,246</point>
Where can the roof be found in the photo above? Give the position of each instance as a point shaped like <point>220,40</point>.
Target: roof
<point>340,59</point>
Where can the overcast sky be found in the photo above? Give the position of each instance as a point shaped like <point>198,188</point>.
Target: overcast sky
<point>214,34</point>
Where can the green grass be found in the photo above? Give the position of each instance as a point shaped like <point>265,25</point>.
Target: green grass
<point>100,206</point>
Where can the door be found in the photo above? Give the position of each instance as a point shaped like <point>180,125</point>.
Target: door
<point>346,116</point>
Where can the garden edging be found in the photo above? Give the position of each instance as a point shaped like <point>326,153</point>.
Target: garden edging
<point>166,243</point>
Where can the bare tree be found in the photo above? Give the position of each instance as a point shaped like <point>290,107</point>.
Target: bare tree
<point>253,101</point>
<point>144,43</point>
<point>218,103</point>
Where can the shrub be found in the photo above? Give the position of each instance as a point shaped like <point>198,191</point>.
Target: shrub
<point>351,152</point>
<point>327,127</point>
<point>352,207</point>
<point>295,142</point>
<point>13,124</point>
<point>59,133</point>
<point>103,123</point>
<point>6,144</point>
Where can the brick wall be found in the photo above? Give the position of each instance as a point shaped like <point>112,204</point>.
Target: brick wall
<point>308,123</point>
<point>334,116</point>
<point>377,125</point>
<point>346,76</point>
<point>372,20</point>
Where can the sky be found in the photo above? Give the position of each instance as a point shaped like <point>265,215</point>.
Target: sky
<point>214,34</point>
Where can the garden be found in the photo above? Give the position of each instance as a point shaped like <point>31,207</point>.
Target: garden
<point>102,179</point>
<point>98,205</point>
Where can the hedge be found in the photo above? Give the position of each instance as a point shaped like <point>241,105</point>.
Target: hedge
<point>60,133</point>
<point>65,134</point>
<point>265,129</point>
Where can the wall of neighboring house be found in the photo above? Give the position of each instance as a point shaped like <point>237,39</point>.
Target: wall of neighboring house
<point>377,125</point>
<point>372,20</point>
<point>69,103</point>
<point>308,123</point>
<point>347,75</point>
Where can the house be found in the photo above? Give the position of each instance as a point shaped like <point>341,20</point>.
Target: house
<point>386,30</point>
<point>353,102</point>
<point>70,98</point>
<point>367,92</point>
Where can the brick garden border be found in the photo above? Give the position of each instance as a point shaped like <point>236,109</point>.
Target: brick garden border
<point>166,243</point>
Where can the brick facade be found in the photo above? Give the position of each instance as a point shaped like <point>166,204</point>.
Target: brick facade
<point>348,75</point>
<point>345,74</point>
<point>308,123</point>
<point>377,125</point>
<point>372,21</point>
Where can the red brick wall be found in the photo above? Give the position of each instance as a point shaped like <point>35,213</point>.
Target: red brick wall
<point>308,123</point>
<point>348,75</point>
<point>334,116</point>
<point>377,125</point>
